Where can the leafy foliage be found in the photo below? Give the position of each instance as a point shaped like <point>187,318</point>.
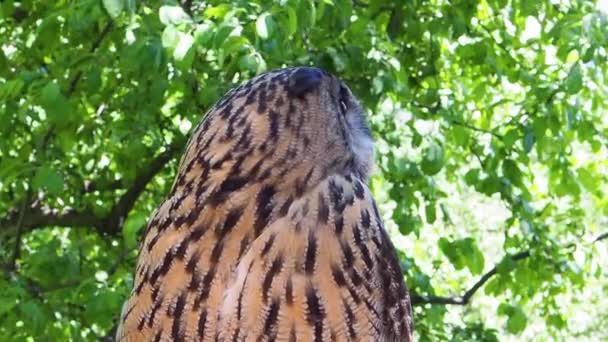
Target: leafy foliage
<point>488,116</point>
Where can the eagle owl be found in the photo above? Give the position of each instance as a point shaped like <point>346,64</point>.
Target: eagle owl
<point>270,232</point>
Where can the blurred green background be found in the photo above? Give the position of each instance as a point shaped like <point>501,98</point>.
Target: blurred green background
<point>491,136</point>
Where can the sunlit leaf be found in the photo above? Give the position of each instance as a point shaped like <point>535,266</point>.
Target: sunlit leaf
<point>114,7</point>
<point>183,46</point>
<point>264,25</point>
<point>173,15</point>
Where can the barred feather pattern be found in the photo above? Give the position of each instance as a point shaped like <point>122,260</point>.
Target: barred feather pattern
<point>270,232</point>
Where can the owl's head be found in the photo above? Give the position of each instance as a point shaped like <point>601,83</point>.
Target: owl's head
<point>291,127</point>
<point>332,119</point>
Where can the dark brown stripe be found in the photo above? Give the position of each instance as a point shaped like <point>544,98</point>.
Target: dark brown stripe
<point>216,253</point>
<point>275,268</point>
<point>347,252</point>
<point>315,310</point>
<point>323,209</point>
<point>271,319</point>
<point>229,185</point>
<point>155,309</point>
<point>339,224</point>
<point>359,192</point>
<point>268,245</point>
<point>274,124</point>
<point>350,320</point>
<point>176,331</point>
<point>264,208</point>
<point>338,275</point>
<point>158,335</point>
<point>289,292</point>
<point>311,254</point>
<point>193,261</point>
<point>202,321</point>
<point>232,219</point>
<point>180,252</point>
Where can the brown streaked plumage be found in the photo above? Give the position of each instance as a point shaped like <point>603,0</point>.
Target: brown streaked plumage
<point>270,232</point>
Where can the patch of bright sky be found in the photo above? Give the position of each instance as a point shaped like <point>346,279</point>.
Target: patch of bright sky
<point>532,29</point>
<point>602,6</point>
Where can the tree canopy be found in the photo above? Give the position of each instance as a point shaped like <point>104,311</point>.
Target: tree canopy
<point>489,121</point>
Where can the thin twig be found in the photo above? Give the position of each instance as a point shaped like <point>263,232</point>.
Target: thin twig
<point>600,238</point>
<point>187,7</point>
<point>475,128</point>
<point>466,297</point>
<point>12,265</point>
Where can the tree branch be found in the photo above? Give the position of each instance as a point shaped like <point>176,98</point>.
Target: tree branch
<point>187,6</point>
<point>12,265</point>
<point>466,297</point>
<point>39,216</point>
<point>600,238</point>
<point>113,223</point>
<point>475,128</point>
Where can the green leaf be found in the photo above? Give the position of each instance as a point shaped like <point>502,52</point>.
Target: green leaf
<point>395,24</point>
<point>511,137</point>
<point>430,97</point>
<point>103,304</point>
<point>249,62</point>
<point>33,314</point>
<point>3,62</point>
<point>432,159</point>
<point>8,300</point>
<point>261,26</point>
<point>517,321</point>
<point>416,139</point>
<point>528,141</point>
<point>221,34</point>
<point>587,179</point>
<point>173,15</point>
<point>473,257</point>
<point>451,250</point>
<point>461,136</point>
<point>217,11</point>
<point>203,35</point>
<point>472,176</point>
<point>512,172</point>
<point>574,82</point>
<point>235,44</point>
<point>12,88</point>
<point>113,7</point>
<point>430,211</point>
<point>49,179</point>
<point>557,320</point>
<point>489,185</point>
<point>506,265</point>
<point>134,223</point>
<point>292,22</point>
<point>183,46</point>
<point>50,95</point>
<point>170,37</point>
